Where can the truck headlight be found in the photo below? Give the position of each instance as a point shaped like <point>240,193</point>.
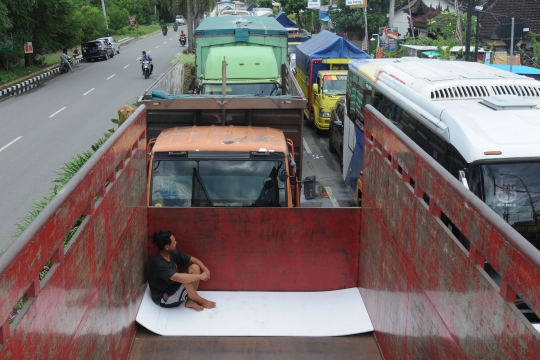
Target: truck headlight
<point>324,113</point>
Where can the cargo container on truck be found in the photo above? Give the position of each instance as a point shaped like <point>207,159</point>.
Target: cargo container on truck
<point>249,50</point>
<point>321,71</point>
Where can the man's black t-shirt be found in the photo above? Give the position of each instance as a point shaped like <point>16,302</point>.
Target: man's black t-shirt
<point>162,270</point>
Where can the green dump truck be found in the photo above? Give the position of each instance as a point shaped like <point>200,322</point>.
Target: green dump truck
<point>248,50</point>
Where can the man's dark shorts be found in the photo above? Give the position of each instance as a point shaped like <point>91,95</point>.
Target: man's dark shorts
<point>177,295</point>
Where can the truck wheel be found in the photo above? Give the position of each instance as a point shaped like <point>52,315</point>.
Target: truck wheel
<point>331,142</point>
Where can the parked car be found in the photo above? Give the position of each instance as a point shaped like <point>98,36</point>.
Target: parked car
<point>335,136</point>
<point>112,41</point>
<point>97,49</point>
<point>180,20</point>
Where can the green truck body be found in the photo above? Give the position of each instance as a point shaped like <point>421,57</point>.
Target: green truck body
<point>254,48</point>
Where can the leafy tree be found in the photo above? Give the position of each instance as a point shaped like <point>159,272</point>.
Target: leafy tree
<point>118,17</point>
<point>265,3</point>
<point>353,21</point>
<point>294,7</point>
<point>444,24</point>
<point>91,21</point>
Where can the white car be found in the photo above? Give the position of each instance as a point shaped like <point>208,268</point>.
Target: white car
<point>180,20</point>
<point>114,44</point>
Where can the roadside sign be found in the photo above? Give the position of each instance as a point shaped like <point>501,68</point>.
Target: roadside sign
<point>356,4</point>
<point>8,44</point>
<point>132,21</point>
<point>314,4</point>
<point>28,49</point>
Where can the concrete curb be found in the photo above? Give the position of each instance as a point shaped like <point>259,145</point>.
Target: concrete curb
<point>30,83</point>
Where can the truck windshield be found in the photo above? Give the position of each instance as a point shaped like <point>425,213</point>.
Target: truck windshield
<point>258,89</point>
<point>512,190</point>
<point>203,183</point>
<point>332,87</point>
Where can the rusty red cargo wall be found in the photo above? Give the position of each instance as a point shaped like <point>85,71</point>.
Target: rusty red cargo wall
<point>267,249</point>
<point>427,295</point>
<point>85,306</point>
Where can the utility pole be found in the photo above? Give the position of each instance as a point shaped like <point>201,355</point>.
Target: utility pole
<point>105,15</point>
<point>391,13</point>
<point>469,25</point>
<point>189,26</point>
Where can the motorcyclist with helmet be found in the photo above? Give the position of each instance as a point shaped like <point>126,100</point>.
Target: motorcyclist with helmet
<point>146,57</point>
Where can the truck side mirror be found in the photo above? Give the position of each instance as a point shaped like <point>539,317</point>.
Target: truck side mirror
<point>282,175</point>
<point>315,88</point>
<point>463,179</point>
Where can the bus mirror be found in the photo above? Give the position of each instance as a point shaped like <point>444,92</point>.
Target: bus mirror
<point>315,88</point>
<point>463,179</point>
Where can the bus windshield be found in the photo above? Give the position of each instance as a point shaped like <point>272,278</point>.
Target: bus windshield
<point>512,190</point>
<point>205,183</point>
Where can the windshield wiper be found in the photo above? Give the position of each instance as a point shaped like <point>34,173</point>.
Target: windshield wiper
<point>199,189</point>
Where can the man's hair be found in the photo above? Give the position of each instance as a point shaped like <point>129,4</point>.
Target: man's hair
<point>144,52</point>
<point>64,50</point>
<point>162,238</point>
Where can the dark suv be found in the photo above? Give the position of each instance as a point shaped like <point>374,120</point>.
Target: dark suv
<point>97,49</point>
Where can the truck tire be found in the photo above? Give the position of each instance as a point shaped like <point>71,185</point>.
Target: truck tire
<point>331,146</point>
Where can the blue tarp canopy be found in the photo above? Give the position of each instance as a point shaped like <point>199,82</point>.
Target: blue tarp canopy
<point>326,45</point>
<point>251,7</point>
<point>287,23</point>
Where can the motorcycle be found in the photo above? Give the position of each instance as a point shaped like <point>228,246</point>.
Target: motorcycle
<point>66,66</point>
<point>146,68</point>
<point>182,40</point>
<point>175,27</point>
<point>164,31</point>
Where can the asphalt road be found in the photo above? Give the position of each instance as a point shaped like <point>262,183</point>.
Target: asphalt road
<point>44,128</point>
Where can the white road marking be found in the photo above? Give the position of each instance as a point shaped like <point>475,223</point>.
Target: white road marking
<point>149,52</point>
<point>10,143</point>
<point>138,58</point>
<point>88,91</point>
<point>164,42</point>
<point>308,150</point>
<point>128,64</point>
<point>170,39</point>
<point>57,112</point>
<point>331,196</point>
<point>156,47</point>
<point>110,76</point>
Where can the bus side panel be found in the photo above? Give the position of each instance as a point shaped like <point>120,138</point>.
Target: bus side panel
<point>353,169</point>
<point>267,249</point>
<point>427,295</point>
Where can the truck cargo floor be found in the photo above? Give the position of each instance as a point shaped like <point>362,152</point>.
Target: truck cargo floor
<point>149,346</point>
<point>250,313</point>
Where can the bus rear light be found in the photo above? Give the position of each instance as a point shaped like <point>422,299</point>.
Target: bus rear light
<point>493,153</point>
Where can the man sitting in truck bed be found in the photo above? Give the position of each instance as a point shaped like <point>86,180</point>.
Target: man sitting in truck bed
<point>168,287</point>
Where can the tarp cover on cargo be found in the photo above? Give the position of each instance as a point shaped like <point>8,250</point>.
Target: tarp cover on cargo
<point>326,45</point>
<point>284,20</point>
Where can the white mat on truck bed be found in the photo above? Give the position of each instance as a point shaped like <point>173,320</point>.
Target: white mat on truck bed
<point>243,313</point>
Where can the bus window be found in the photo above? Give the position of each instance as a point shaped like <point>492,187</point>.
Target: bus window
<point>407,124</point>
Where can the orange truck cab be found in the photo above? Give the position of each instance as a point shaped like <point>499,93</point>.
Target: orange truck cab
<point>222,166</point>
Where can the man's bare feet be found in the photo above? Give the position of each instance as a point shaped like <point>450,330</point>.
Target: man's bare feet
<point>207,304</point>
<point>192,304</point>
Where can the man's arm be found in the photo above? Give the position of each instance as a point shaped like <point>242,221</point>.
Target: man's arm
<point>189,278</point>
<point>196,261</point>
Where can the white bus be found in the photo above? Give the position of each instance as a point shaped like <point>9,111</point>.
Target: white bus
<point>480,123</point>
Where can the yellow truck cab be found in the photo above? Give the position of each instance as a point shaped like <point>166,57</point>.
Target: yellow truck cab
<point>321,71</point>
<point>328,88</point>
<point>220,166</point>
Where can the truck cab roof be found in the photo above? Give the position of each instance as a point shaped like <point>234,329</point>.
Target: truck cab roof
<point>221,138</point>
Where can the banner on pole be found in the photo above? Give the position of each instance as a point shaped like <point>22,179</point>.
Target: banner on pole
<point>132,21</point>
<point>28,49</point>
